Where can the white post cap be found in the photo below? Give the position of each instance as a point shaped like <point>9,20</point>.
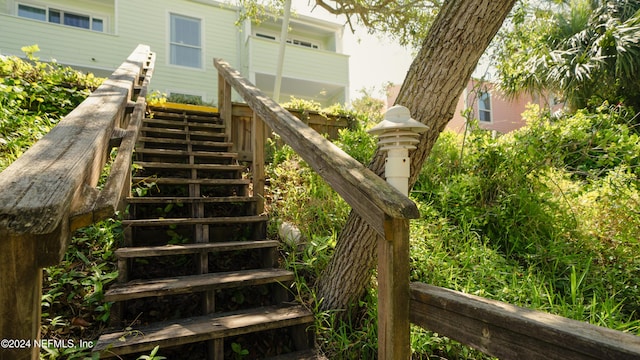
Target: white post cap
<point>396,118</point>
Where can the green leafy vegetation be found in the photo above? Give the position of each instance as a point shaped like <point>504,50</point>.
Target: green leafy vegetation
<point>73,306</point>
<point>585,51</point>
<point>545,217</point>
<point>34,96</point>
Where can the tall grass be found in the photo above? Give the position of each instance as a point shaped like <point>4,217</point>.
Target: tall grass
<point>546,217</point>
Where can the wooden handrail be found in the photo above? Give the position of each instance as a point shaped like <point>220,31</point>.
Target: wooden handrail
<point>51,190</point>
<point>381,206</point>
<point>370,196</point>
<point>49,181</point>
<point>118,184</point>
<point>511,332</point>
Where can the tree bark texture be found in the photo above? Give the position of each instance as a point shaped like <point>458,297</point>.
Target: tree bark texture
<point>460,34</point>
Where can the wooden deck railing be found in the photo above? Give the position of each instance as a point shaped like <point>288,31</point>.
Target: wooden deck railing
<point>511,332</point>
<point>384,208</point>
<point>493,327</point>
<point>51,190</point>
<point>242,115</point>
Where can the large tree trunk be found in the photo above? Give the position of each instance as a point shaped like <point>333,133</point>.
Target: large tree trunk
<point>434,82</point>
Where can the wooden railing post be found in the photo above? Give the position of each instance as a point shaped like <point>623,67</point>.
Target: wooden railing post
<point>20,296</point>
<point>224,103</point>
<point>393,291</point>
<point>385,209</point>
<point>258,135</point>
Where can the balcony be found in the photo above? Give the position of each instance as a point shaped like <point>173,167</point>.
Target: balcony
<point>308,73</point>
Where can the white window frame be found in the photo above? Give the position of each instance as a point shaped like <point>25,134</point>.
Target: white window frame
<point>62,12</point>
<point>170,42</point>
<point>482,110</point>
<point>301,42</point>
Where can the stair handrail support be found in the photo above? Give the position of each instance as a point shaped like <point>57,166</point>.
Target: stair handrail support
<point>50,191</point>
<point>383,207</point>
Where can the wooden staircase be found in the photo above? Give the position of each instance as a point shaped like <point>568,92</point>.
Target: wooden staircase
<point>196,274</point>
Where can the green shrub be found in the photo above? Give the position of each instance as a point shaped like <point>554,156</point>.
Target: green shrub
<point>557,199</point>
<point>545,217</point>
<point>34,96</point>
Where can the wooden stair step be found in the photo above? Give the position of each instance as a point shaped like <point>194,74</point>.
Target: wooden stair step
<point>184,181</point>
<point>202,328</point>
<point>195,115</point>
<point>196,221</point>
<point>182,123</point>
<point>137,289</point>
<point>181,132</point>
<point>217,154</point>
<point>163,165</point>
<point>166,250</point>
<point>147,139</point>
<point>190,200</point>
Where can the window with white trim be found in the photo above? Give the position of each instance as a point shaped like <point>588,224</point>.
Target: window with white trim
<point>265,36</point>
<point>185,41</point>
<point>62,17</point>
<point>298,42</point>
<point>484,107</point>
<point>302,43</point>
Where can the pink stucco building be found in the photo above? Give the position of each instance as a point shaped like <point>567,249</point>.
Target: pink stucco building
<point>493,109</point>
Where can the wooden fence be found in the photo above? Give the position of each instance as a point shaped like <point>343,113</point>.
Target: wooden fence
<point>383,207</point>
<point>51,190</point>
<point>242,115</point>
<point>511,332</point>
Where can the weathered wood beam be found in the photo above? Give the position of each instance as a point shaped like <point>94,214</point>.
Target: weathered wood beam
<point>258,136</point>
<point>55,178</point>
<point>363,190</point>
<point>43,185</point>
<point>118,183</point>
<point>394,329</point>
<point>511,332</point>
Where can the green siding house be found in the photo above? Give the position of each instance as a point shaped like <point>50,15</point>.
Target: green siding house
<point>97,35</point>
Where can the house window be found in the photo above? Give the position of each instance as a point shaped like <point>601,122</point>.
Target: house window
<point>55,16</point>
<point>265,36</point>
<point>97,25</point>
<point>31,12</point>
<point>484,107</point>
<point>297,42</point>
<point>303,43</point>
<point>185,42</point>
<point>76,20</point>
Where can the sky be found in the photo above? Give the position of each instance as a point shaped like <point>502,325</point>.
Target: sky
<point>373,62</point>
